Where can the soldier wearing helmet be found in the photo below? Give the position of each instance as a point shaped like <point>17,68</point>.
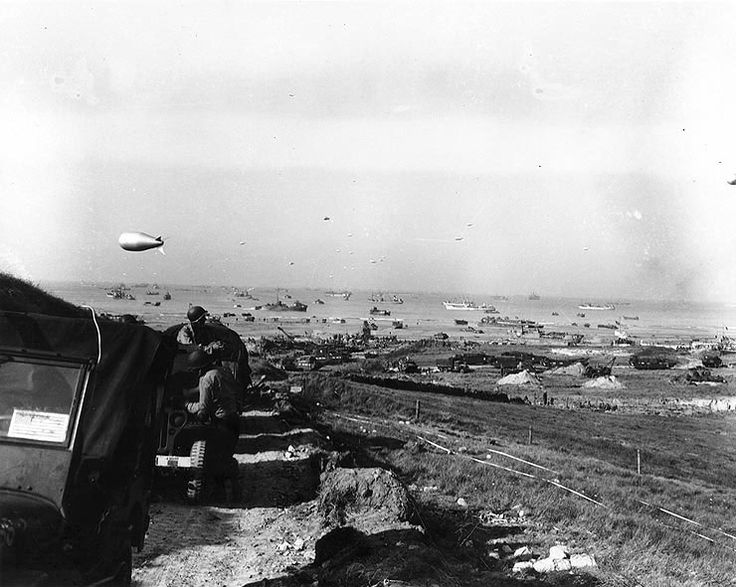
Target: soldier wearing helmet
<point>196,332</point>
<point>221,343</point>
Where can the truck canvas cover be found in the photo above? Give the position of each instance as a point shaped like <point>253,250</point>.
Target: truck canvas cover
<point>131,357</point>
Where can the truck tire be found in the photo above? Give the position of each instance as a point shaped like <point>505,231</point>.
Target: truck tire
<point>112,563</point>
<point>124,576</point>
<point>195,487</point>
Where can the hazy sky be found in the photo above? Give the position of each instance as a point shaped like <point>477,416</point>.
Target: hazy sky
<point>571,148</point>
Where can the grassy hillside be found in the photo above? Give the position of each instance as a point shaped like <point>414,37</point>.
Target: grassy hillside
<point>687,468</point>
<point>18,295</point>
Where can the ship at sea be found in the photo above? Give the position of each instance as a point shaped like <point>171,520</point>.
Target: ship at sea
<point>597,306</point>
<point>465,305</point>
<point>120,293</point>
<point>345,295</point>
<point>280,306</point>
<point>534,296</point>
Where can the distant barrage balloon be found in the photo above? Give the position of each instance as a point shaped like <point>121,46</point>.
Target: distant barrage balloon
<point>140,241</point>
<point>732,181</point>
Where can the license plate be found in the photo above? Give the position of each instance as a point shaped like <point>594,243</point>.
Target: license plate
<point>173,462</point>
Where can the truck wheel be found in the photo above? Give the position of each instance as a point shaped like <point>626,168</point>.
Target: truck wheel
<point>124,576</point>
<point>195,487</point>
<point>113,560</point>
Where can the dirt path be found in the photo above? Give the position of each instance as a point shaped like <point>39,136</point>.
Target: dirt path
<point>269,535</point>
<point>275,534</point>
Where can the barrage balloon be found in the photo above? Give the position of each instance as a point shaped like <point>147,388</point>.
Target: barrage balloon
<point>140,241</point>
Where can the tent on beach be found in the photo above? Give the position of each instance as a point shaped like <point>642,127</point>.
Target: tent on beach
<point>606,382</point>
<point>522,378</point>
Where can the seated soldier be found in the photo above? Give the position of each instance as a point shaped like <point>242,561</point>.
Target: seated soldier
<point>217,407</point>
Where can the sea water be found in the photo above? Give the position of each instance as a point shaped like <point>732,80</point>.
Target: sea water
<point>422,314</point>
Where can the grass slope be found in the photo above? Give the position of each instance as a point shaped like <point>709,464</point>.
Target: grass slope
<point>688,466</point>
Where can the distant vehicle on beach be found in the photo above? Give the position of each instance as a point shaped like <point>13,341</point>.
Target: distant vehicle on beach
<point>280,306</point>
<point>652,361</point>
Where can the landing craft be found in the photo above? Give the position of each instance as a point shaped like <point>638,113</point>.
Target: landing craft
<point>140,241</point>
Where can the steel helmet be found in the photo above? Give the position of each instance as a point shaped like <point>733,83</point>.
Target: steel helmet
<point>198,359</point>
<point>196,313</point>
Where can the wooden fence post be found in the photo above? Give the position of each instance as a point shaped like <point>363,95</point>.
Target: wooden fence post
<point>530,435</point>
<point>416,411</point>
<point>638,462</point>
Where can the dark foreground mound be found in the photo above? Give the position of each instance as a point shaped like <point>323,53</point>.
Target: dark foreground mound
<point>17,295</point>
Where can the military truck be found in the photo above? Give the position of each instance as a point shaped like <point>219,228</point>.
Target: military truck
<point>80,400</point>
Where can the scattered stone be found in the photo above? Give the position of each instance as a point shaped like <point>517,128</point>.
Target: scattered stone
<point>461,502</point>
<point>543,565</point>
<point>522,566</point>
<point>506,549</point>
<point>547,565</point>
<point>494,555</point>
<point>524,553</point>
<point>558,552</point>
<point>284,546</point>
<point>583,561</point>
<point>489,517</point>
<point>298,544</point>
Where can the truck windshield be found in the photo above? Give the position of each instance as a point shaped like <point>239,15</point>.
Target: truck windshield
<point>37,399</point>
